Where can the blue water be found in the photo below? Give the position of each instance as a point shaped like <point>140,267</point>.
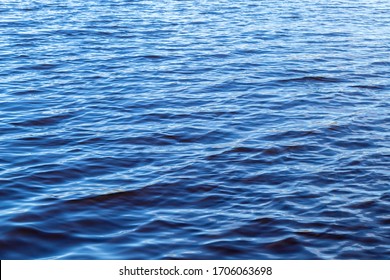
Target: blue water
<point>195,129</point>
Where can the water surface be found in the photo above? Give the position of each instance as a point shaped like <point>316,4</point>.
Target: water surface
<point>214,129</point>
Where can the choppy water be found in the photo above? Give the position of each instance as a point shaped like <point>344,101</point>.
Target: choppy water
<point>195,129</point>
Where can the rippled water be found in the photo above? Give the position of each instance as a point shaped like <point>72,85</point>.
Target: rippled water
<point>195,129</point>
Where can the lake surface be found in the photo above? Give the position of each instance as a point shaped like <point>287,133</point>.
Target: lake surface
<point>195,129</point>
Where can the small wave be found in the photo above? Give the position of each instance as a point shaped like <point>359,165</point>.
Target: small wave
<point>373,87</point>
<point>312,79</point>
<point>44,121</point>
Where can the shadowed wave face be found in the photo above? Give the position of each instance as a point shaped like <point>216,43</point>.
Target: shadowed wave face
<point>194,129</point>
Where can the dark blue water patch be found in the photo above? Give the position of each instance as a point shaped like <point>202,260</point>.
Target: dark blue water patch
<point>43,121</point>
<point>371,87</point>
<point>313,79</point>
<point>191,130</point>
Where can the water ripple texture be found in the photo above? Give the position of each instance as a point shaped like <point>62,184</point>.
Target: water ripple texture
<point>197,129</point>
